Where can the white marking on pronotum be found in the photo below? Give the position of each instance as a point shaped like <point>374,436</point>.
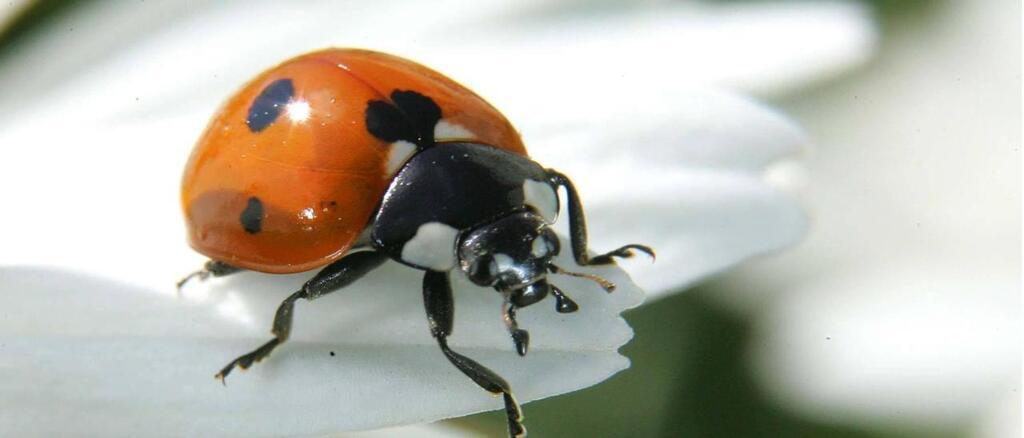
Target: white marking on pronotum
<point>399,153</point>
<point>445,130</point>
<point>432,247</point>
<point>543,198</point>
<point>503,262</point>
<point>539,247</point>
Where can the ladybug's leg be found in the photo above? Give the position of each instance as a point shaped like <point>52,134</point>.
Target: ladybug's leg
<point>437,297</point>
<point>212,268</point>
<point>520,337</point>
<point>578,228</point>
<point>335,276</point>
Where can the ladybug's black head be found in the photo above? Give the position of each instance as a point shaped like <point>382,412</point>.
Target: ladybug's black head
<point>512,255</point>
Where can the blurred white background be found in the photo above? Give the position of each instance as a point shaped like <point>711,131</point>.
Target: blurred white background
<point>902,307</point>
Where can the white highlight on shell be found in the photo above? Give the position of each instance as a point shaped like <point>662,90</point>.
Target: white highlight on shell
<point>448,130</point>
<point>398,154</point>
<point>432,247</point>
<point>542,197</point>
<point>298,111</point>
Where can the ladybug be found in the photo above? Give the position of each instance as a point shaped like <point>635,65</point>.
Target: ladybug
<point>341,159</point>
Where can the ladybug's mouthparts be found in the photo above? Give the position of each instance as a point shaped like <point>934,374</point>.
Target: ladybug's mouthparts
<point>530,293</point>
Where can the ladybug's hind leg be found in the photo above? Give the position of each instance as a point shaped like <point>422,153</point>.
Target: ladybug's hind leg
<point>212,268</point>
<point>578,229</point>
<point>437,297</point>
<point>335,276</point>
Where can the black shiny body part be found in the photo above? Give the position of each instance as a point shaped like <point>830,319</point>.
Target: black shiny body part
<point>510,238</point>
<point>437,298</point>
<point>461,185</point>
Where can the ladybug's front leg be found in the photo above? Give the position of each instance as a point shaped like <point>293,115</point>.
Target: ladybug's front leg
<point>437,297</point>
<point>335,276</point>
<point>578,228</point>
<point>520,337</point>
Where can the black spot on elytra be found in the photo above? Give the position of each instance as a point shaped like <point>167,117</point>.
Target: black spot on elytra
<point>421,111</point>
<point>252,216</point>
<point>411,117</point>
<point>269,104</point>
<point>387,123</point>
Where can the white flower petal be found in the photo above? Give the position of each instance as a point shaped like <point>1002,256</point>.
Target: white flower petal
<point>687,178</point>
<point>98,198</point>
<point>106,357</point>
<point>840,341</point>
<point>695,129</point>
<point>434,430</point>
<point>699,223</point>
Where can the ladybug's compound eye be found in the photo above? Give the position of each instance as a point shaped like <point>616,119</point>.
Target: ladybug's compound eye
<point>483,271</point>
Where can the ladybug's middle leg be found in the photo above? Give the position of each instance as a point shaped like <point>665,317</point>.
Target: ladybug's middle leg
<point>335,276</point>
<point>437,297</point>
<point>578,228</point>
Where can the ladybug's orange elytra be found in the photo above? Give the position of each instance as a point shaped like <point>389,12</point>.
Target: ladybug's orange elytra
<point>291,153</point>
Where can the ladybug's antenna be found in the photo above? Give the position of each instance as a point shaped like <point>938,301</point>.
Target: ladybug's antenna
<point>563,304</point>
<point>608,286</point>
